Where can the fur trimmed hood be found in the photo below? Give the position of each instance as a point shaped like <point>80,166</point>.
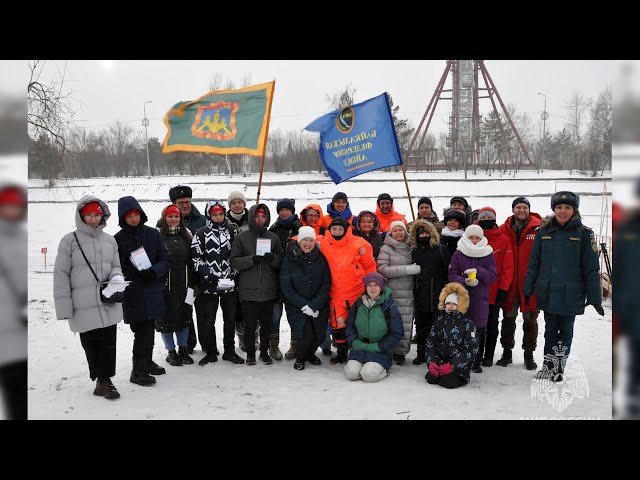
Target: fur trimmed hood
<point>463,296</point>
<point>413,232</point>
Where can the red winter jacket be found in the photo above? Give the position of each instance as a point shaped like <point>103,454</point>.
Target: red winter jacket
<point>521,252</point>
<point>503,254</point>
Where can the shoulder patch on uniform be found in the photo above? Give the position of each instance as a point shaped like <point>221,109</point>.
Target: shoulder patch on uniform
<point>594,245</point>
<point>361,251</point>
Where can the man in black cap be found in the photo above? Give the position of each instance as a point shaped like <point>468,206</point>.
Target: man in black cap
<point>520,228</point>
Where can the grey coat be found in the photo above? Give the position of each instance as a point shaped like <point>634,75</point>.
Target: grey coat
<point>75,291</point>
<point>13,292</point>
<point>392,262</point>
<point>257,283</point>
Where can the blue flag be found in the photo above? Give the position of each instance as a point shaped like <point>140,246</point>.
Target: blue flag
<point>357,139</point>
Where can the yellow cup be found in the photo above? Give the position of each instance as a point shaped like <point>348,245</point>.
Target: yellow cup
<point>472,275</point>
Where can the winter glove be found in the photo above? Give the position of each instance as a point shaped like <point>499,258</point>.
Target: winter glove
<point>469,270</point>
<point>501,296</point>
<point>117,278</point>
<point>433,369</point>
<point>471,283</point>
<point>599,309</point>
<point>316,314</point>
<point>412,269</point>
<point>269,257</point>
<point>307,310</point>
<point>526,300</point>
<point>147,275</point>
<point>445,369</point>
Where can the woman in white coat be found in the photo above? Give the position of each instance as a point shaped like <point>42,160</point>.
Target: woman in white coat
<point>76,291</point>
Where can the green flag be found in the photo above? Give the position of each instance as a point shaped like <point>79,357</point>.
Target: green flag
<point>223,121</point>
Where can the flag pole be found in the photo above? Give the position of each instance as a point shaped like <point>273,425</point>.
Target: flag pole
<point>406,184</point>
<point>266,139</point>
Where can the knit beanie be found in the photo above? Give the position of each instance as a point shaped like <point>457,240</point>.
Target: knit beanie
<point>459,199</point>
<point>520,200</point>
<point>374,277</point>
<point>289,203</point>
<point>426,200</point>
<point>306,232</point>
<point>452,298</point>
<point>339,196</point>
<point>91,207</point>
<point>474,230</point>
<point>235,195</point>
<point>486,213</point>
<point>398,223</point>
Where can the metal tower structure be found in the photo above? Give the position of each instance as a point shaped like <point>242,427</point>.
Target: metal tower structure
<point>464,123</point>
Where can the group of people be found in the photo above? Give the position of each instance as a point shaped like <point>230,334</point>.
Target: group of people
<point>358,282</point>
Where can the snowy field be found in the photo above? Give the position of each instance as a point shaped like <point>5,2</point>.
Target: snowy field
<point>59,384</point>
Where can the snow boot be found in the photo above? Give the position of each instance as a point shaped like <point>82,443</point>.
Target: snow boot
<point>291,353</point>
<point>341,357</point>
<point>184,356</point>
<point>274,350</point>
<point>266,359</point>
<point>506,358</point>
<point>231,356</point>
<point>139,374</point>
<point>173,359</point>
<point>153,368</point>
<point>529,362</point>
<point>208,358</point>
<point>106,389</point>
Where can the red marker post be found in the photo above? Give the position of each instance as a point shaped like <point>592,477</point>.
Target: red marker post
<point>43,250</point>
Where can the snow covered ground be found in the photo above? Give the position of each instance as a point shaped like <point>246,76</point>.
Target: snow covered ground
<point>59,384</point>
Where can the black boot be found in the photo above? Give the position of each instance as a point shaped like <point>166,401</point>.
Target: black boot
<point>299,364</point>
<point>341,357</point>
<point>173,359</point>
<point>489,348</point>
<point>208,358</point>
<point>529,362</point>
<point>266,359</point>
<point>251,359</point>
<point>421,358</point>
<point>476,368</point>
<point>231,356</point>
<point>139,374</point>
<point>184,356</point>
<point>399,359</point>
<point>153,368</point>
<point>506,358</point>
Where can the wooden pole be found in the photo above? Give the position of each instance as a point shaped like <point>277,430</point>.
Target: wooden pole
<point>406,184</point>
<point>265,143</point>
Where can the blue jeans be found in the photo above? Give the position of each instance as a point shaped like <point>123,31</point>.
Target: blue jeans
<point>275,318</point>
<point>182,337</point>
<point>558,328</point>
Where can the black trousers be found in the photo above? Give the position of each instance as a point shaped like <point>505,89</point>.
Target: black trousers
<point>424,322</point>
<point>206,310</point>
<point>100,348</point>
<point>306,348</point>
<point>447,381</point>
<point>143,339</point>
<point>254,313</point>
<point>13,383</point>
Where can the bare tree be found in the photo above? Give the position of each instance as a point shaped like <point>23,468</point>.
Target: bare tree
<point>49,108</point>
<point>117,142</point>
<point>342,98</point>
<point>246,80</point>
<point>577,106</point>
<point>215,82</point>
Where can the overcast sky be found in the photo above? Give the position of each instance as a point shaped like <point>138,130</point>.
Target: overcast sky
<point>107,91</point>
